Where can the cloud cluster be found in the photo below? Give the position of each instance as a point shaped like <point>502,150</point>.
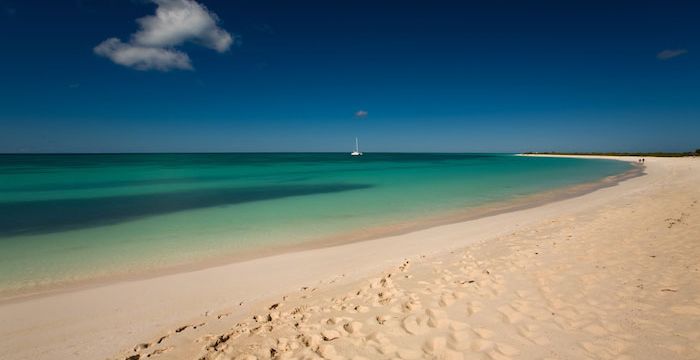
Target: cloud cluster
<point>174,23</point>
<point>361,113</point>
<point>670,54</point>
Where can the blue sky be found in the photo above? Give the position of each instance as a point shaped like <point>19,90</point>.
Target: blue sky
<point>481,76</point>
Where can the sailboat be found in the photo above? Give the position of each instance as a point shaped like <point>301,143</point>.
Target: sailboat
<point>357,149</point>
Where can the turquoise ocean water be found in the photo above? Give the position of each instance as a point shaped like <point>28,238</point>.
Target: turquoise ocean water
<point>67,218</point>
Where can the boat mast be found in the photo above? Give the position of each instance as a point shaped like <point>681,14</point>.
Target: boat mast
<point>357,146</point>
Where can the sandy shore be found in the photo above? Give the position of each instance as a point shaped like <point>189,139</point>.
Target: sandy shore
<point>610,274</point>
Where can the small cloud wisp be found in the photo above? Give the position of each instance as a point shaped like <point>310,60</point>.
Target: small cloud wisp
<point>670,54</point>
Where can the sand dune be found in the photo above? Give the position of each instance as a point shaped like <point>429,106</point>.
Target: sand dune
<point>613,279</point>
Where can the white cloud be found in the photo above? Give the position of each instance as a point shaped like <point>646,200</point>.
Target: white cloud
<point>143,58</point>
<point>670,54</point>
<point>179,21</point>
<point>174,23</point>
<point>361,113</point>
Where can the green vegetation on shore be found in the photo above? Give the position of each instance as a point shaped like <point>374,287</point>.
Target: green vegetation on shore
<point>648,154</point>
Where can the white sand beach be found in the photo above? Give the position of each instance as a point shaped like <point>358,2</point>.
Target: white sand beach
<point>611,274</point>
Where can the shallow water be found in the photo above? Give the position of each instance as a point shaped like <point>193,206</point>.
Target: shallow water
<point>66,218</point>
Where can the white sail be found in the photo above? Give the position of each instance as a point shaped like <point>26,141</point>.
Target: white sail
<point>357,149</point>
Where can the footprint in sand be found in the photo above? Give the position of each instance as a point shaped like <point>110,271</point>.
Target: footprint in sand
<point>531,333</point>
<point>435,345</point>
<point>457,325</point>
<point>484,333</point>
<point>414,325</point>
<point>382,319</point>
<point>436,318</point>
<point>381,343</point>
<point>510,315</point>
<point>507,350</point>
<point>495,355</point>
<point>407,354</point>
<point>481,345</point>
<point>353,327</point>
<point>447,299</point>
<point>474,307</point>
<point>458,340</point>
<point>596,330</point>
